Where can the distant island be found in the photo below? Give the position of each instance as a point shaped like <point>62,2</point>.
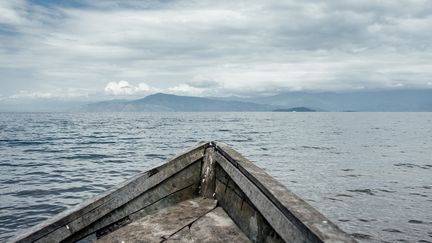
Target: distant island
<point>295,109</point>
<point>391,100</point>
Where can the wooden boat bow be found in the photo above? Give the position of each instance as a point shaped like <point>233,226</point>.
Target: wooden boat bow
<point>209,193</point>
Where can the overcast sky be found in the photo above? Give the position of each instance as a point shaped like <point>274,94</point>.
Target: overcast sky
<point>106,49</point>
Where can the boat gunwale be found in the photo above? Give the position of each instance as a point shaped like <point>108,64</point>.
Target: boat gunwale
<point>64,218</point>
<point>312,223</point>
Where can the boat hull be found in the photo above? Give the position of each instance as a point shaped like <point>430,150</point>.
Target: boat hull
<point>260,207</point>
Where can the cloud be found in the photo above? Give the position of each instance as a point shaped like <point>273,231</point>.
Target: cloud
<point>214,47</point>
<point>60,94</point>
<point>203,83</point>
<point>124,88</point>
<point>32,95</point>
<point>186,89</point>
<point>9,13</point>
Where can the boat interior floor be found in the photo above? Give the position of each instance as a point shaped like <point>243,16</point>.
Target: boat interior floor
<point>193,220</point>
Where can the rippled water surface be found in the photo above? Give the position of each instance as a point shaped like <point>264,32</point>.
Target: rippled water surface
<point>370,173</point>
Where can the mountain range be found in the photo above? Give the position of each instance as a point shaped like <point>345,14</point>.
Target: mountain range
<point>380,100</point>
<point>377,100</point>
<point>168,102</point>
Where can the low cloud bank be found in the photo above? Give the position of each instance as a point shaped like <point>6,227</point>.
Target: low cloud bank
<point>125,88</point>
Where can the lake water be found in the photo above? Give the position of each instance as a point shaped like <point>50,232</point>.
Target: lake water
<point>370,173</point>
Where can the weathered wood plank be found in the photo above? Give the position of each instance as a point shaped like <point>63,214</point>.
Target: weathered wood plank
<point>281,224</point>
<point>122,198</point>
<point>242,211</point>
<point>308,220</point>
<point>171,200</point>
<point>183,236</point>
<point>161,225</point>
<point>208,174</point>
<point>183,184</point>
<point>216,226</point>
<point>59,227</point>
<point>179,196</point>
